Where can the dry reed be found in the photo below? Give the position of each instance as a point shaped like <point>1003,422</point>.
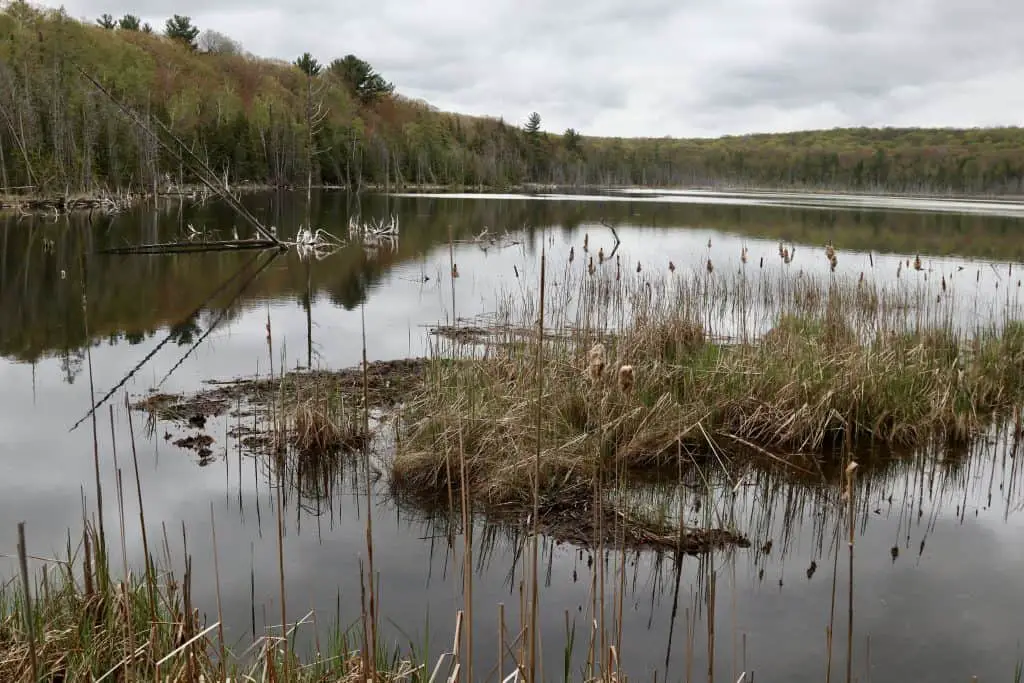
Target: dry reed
<point>709,368</point>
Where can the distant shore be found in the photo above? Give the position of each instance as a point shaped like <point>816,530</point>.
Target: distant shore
<point>29,203</point>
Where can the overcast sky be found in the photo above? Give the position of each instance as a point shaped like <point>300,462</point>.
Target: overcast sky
<point>656,67</point>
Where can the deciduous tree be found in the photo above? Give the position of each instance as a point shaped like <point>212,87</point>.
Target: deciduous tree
<point>214,42</point>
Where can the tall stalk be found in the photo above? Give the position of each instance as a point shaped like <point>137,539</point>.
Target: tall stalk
<point>536,472</point>
<point>850,478</point>
<point>371,655</point>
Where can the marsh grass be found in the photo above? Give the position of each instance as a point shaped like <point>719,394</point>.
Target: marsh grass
<point>701,369</point>
<point>324,426</point>
<point>90,624</point>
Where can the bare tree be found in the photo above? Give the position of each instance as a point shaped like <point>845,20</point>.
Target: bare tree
<point>216,42</point>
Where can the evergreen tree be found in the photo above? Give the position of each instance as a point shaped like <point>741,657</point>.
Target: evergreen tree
<point>308,65</point>
<point>129,22</point>
<point>361,79</point>
<point>571,139</point>
<point>180,28</point>
<point>106,21</point>
<point>532,126</point>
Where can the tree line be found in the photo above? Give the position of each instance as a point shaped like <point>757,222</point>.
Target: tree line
<point>340,122</point>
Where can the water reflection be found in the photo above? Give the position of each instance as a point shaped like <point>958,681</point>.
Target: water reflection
<point>43,264</point>
<point>936,548</point>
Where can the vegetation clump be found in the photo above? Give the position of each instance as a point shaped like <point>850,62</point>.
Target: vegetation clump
<point>845,363</point>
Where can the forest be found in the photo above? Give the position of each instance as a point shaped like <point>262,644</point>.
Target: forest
<point>338,122</point>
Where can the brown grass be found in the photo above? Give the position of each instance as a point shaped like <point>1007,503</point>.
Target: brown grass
<point>680,371</point>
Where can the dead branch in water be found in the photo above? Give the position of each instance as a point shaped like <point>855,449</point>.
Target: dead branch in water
<point>191,247</point>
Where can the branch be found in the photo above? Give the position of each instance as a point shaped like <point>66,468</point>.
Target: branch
<point>614,234</point>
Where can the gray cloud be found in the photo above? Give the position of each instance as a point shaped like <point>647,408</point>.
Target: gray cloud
<point>657,67</point>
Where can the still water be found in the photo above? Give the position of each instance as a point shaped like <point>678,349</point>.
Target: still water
<point>938,559</point>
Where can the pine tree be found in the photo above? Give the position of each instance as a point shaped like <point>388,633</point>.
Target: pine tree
<point>180,28</point>
<point>129,22</point>
<point>532,126</point>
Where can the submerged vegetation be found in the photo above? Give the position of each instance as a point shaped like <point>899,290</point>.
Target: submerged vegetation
<point>340,122</point>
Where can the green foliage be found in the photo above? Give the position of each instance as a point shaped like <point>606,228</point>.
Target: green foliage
<point>308,65</point>
<point>107,21</point>
<point>129,22</point>
<point>361,79</point>
<point>571,139</point>
<point>180,28</point>
<point>253,118</point>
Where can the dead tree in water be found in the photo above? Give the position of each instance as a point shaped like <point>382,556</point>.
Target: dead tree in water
<point>316,113</point>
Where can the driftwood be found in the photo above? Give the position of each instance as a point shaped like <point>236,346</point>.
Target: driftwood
<point>187,247</point>
<point>63,205</point>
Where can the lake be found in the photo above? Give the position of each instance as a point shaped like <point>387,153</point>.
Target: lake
<point>937,534</point>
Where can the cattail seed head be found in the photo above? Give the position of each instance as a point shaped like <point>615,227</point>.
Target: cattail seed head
<point>596,361</point>
<point>626,378</point>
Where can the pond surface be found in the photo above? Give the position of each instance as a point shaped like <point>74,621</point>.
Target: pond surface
<point>938,552</point>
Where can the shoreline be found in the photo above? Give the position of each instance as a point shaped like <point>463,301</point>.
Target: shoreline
<point>125,198</point>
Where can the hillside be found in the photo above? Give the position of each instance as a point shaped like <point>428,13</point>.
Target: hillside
<point>267,121</point>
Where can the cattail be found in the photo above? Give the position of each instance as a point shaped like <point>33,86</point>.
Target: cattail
<point>586,241</point>
<point>762,263</point>
<point>861,280</point>
<point>899,269</point>
<point>709,243</point>
<point>590,265</point>
<point>596,361</point>
<point>572,254</point>
<point>917,262</point>
<point>626,378</point>
<point>515,270</point>
<point>600,255</point>
<point>638,266</point>
<point>455,270</point>
<point>943,283</point>
<point>671,267</point>
<point>710,266</point>
<point>743,255</point>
